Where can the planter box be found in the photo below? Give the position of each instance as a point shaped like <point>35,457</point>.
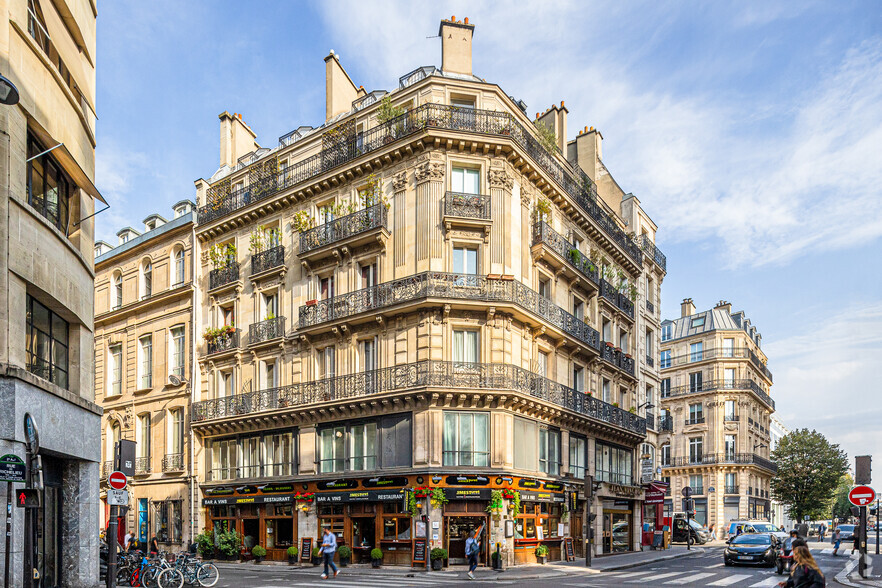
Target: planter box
<point>437,564</point>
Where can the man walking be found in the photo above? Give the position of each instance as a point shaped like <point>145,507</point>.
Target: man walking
<point>822,531</point>
<point>329,546</point>
<point>472,548</point>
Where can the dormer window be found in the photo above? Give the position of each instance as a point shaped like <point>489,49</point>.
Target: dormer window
<point>698,322</point>
<point>124,238</point>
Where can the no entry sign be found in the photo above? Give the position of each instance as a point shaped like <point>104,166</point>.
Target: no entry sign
<point>862,495</point>
<point>118,481</point>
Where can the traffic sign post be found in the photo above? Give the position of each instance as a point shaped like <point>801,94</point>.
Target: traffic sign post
<point>12,469</point>
<point>118,481</point>
<point>862,496</point>
<point>117,497</point>
<point>687,492</point>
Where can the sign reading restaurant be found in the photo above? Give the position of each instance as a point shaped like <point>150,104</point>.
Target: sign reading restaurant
<point>225,500</point>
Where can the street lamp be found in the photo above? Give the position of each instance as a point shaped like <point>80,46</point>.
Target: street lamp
<point>8,92</point>
<point>648,405</point>
<point>759,446</point>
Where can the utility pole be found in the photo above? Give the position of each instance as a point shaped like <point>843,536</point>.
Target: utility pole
<point>877,524</point>
<point>589,501</point>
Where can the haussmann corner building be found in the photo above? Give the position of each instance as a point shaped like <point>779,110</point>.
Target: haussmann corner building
<point>47,156</point>
<point>716,418</point>
<point>424,295</point>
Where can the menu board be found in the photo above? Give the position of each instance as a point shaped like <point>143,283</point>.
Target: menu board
<point>306,549</point>
<point>419,552</point>
<point>568,545</point>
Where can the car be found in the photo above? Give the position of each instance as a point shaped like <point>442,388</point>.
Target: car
<point>749,527</point>
<point>699,534</point>
<point>846,532</point>
<point>752,549</point>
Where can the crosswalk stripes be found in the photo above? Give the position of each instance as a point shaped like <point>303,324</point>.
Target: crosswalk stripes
<point>773,581</point>
<point>717,565</point>
<point>690,579</point>
<point>655,578</point>
<point>728,581</point>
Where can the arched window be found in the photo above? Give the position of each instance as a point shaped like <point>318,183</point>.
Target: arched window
<point>146,279</point>
<point>178,268</point>
<point>116,290</point>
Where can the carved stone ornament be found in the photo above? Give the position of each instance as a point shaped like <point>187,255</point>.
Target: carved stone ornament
<point>399,181</point>
<point>429,171</point>
<point>499,178</point>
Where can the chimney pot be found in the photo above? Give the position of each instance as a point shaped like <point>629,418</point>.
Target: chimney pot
<point>452,19</point>
<point>561,103</point>
<point>466,20</point>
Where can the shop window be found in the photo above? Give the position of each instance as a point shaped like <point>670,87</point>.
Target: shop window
<point>613,464</point>
<point>47,343</point>
<point>49,189</point>
<point>396,528</point>
<point>167,520</point>
<point>538,521</point>
<point>466,439</point>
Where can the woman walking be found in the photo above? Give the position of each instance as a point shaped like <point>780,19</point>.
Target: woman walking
<point>804,573</point>
<point>836,539</point>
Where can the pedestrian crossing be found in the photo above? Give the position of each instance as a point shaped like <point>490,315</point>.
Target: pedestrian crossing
<point>758,579</point>
<point>362,581</point>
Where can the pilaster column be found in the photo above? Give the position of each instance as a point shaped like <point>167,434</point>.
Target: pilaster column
<point>429,179</point>
<point>501,245</point>
<point>399,225</point>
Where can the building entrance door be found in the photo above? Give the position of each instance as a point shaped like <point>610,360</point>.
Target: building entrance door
<point>457,530</point>
<point>616,531</point>
<point>364,534</point>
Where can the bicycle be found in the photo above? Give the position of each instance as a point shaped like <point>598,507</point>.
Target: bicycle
<point>198,572</point>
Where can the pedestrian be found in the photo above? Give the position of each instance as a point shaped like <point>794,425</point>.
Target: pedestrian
<point>836,539</point>
<point>154,546</point>
<point>856,545</point>
<point>126,540</point>
<point>472,547</point>
<point>823,531</point>
<point>804,573</point>
<point>713,532</point>
<point>329,546</point>
<point>788,543</point>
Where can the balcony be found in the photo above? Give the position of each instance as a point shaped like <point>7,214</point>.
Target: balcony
<point>467,206</point>
<point>650,420</point>
<point>616,358</point>
<point>218,278</point>
<point>572,180</point>
<point>142,466</point>
<point>720,353</point>
<point>725,458</point>
<point>423,374</point>
<point>650,361</point>
<point>616,299</point>
<point>730,490</point>
<point>173,462</point>
<point>731,418</point>
<point>270,259</point>
<point>563,254</point>
<point>267,330</point>
<point>697,490</point>
<point>759,365</point>
<point>717,385</point>
<point>225,342</point>
<point>653,252</point>
<point>106,470</point>
<point>666,423</point>
<point>351,230</point>
<point>695,421</point>
<point>438,285</point>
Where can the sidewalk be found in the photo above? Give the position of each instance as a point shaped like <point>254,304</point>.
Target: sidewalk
<point>849,575</point>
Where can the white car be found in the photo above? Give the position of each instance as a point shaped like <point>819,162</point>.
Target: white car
<point>748,527</point>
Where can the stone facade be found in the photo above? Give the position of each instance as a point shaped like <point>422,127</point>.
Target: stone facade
<point>144,340</point>
<point>716,411</point>
<point>46,277</point>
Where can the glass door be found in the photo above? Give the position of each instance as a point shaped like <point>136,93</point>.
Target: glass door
<point>458,529</point>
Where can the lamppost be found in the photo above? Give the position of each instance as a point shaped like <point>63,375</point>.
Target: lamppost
<point>8,92</point>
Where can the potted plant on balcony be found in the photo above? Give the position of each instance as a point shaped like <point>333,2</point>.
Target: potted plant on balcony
<point>438,555</point>
<point>292,555</point>
<point>259,553</point>
<point>345,554</point>
<point>302,221</point>
<point>543,209</point>
<point>541,554</point>
<point>376,557</point>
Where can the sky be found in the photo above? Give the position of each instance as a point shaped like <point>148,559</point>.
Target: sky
<point>751,132</point>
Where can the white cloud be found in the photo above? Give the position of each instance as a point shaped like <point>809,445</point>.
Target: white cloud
<point>117,173</point>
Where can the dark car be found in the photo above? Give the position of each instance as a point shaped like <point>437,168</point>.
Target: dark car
<point>847,532</point>
<point>752,549</point>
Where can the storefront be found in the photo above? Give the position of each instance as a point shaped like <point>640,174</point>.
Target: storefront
<point>653,511</point>
<point>620,510</point>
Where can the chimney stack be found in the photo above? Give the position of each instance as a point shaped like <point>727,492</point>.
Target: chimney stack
<point>456,45</point>
<point>236,138</point>
<point>687,308</point>
<point>724,305</point>
<point>340,91</point>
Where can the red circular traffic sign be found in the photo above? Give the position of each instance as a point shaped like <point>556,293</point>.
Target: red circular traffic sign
<point>862,495</point>
<point>118,481</point>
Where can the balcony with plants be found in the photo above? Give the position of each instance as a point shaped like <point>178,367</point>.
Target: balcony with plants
<point>226,269</point>
<point>618,297</point>
<point>561,254</point>
<point>615,357</point>
<point>221,339</point>
<point>267,252</point>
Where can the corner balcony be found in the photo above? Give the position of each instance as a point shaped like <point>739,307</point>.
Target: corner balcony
<point>341,235</point>
<point>267,330</point>
<point>462,290</point>
<point>615,299</point>
<point>722,385</point>
<point>717,353</point>
<point>406,378</point>
<point>653,252</point>
<point>224,343</point>
<point>558,252</point>
<point>467,210</point>
<point>266,261</point>
<point>725,459</point>
<point>222,277</point>
<point>616,358</point>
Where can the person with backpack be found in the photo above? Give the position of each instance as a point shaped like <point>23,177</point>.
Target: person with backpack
<point>804,573</point>
<point>472,548</point>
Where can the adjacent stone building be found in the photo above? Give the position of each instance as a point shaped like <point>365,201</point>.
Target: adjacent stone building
<point>47,199</point>
<point>417,314</point>
<point>144,340</point>
<point>716,414</point>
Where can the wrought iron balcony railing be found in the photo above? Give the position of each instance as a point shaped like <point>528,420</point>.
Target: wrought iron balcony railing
<point>142,465</point>
<point>617,358</point>
<point>223,276</point>
<point>650,361</point>
<point>731,418</point>
<point>715,385</point>
<point>654,252</point>
<point>268,259</point>
<point>568,175</point>
<point>758,364</point>
<point>225,342</point>
<point>106,469</point>
<point>720,353</point>
<point>695,421</point>
<point>650,420</point>
<point>337,230</point>
<point>543,233</point>
<point>725,458</point>
<point>173,462</point>
<point>650,307</point>
<point>441,374</point>
<point>265,330</point>
<point>666,423</point>
<point>445,285</point>
<point>476,206</point>
<point>730,489</point>
<point>619,300</point>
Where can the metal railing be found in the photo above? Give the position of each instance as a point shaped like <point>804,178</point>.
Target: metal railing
<point>568,175</point>
<point>543,233</point>
<point>666,423</point>
<point>441,374</point>
<point>650,361</point>
<point>650,420</point>
<point>619,300</point>
<point>617,358</point>
<point>731,418</point>
<point>265,330</point>
<point>725,458</point>
<point>142,465</point>
<point>759,365</point>
<point>268,259</point>
<point>223,276</point>
<point>716,385</point>
<point>463,205</point>
<point>337,230</point>
<point>695,421</point>
<point>730,490</point>
<point>173,462</point>
<point>224,342</point>
<point>650,307</point>
<point>445,285</point>
<point>720,353</point>
<point>654,252</point>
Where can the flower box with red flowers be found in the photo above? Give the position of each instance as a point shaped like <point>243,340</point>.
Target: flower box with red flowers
<point>422,491</point>
<point>304,496</point>
<point>508,493</point>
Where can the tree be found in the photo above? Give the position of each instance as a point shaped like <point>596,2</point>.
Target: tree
<point>809,470</point>
<point>841,504</point>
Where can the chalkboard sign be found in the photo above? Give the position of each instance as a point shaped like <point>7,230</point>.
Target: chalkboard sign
<point>571,555</point>
<point>306,549</point>
<point>419,552</point>
<point>658,540</point>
